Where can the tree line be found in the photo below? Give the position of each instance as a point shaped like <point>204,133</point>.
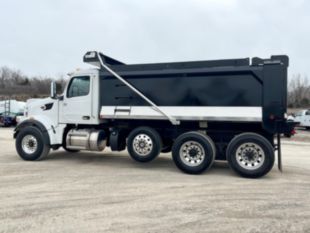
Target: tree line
<point>16,85</point>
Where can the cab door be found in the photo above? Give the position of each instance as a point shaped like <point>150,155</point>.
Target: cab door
<point>76,107</point>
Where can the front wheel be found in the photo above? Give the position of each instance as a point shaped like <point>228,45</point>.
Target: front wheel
<point>250,155</point>
<point>30,144</point>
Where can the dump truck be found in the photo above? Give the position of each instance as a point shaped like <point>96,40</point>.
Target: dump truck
<point>200,111</point>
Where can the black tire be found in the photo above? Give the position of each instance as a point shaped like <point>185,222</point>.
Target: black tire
<point>167,146</point>
<point>35,138</point>
<point>70,150</point>
<point>144,135</point>
<point>166,149</point>
<point>203,143</point>
<point>254,145</point>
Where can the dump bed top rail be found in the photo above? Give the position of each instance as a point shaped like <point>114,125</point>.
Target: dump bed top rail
<point>91,57</point>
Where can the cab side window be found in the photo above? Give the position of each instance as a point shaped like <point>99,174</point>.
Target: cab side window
<point>308,113</point>
<point>79,86</point>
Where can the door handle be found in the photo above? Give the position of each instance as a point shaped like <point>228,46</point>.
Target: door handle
<point>65,104</point>
<point>85,117</point>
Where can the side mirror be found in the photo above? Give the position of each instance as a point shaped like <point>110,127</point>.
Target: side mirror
<point>53,90</point>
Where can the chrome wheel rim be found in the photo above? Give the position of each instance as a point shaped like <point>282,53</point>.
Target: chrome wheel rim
<point>192,153</point>
<point>142,144</point>
<point>250,156</point>
<point>29,144</point>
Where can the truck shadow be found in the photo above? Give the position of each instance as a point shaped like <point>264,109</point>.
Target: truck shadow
<point>163,163</point>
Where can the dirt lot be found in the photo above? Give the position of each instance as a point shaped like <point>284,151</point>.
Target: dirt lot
<point>92,192</point>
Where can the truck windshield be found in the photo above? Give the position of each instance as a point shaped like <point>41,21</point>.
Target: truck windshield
<point>79,86</point>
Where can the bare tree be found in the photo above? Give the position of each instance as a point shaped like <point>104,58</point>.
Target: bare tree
<point>299,92</point>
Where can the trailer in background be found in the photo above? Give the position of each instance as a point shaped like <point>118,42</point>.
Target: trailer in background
<point>9,111</point>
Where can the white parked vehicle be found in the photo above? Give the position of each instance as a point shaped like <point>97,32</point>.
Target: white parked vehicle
<point>303,118</point>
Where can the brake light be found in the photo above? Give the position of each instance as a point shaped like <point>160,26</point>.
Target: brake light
<point>293,132</point>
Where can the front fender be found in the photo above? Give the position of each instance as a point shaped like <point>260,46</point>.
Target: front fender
<point>52,133</point>
<point>35,123</point>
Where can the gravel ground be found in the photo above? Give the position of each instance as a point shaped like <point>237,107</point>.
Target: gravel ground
<point>108,192</point>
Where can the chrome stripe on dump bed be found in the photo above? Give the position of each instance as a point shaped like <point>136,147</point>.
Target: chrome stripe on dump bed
<point>240,114</point>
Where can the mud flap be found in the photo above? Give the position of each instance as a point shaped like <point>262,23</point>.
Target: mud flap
<point>279,152</point>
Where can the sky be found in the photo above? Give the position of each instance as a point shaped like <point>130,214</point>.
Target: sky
<point>50,37</point>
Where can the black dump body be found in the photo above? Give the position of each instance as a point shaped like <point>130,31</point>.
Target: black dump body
<point>234,82</point>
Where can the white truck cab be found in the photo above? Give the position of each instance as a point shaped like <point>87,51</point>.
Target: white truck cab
<point>77,105</point>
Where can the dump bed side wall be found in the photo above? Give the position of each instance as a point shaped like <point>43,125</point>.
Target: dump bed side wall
<point>260,85</point>
<point>222,89</point>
